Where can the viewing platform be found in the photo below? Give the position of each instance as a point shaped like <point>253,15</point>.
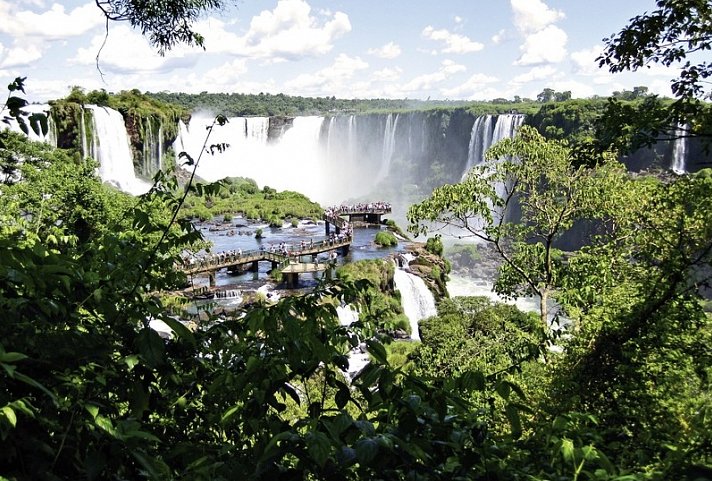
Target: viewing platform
<point>370,213</point>
<point>286,261</point>
<point>288,257</point>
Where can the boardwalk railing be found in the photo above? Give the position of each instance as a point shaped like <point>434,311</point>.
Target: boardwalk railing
<point>222,260</point>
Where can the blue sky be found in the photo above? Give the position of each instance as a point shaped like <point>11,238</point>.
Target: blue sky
<point>447,49</point>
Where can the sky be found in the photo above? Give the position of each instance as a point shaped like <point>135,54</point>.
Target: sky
<point>416,49</point>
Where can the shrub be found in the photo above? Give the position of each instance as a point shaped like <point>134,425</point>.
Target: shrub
<point>385,239</point>
<point>258,233</point>
<point>227,218</point>
<point>434,245</point>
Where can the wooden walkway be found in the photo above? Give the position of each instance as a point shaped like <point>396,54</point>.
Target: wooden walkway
<point>288,264</point>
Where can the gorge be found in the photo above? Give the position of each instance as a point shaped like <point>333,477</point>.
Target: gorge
<point>401,156</point>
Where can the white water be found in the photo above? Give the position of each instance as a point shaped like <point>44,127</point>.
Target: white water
<point>480,141</point>
<point>293,162</point>
<point>389,145</point>
<point>110,147</point>
<point>679,152</point>
<point>417,300</point>
<point>358,356</point>
<point>484,136</point>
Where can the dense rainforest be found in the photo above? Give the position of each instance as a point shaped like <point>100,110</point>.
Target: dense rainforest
<point>613,383</point>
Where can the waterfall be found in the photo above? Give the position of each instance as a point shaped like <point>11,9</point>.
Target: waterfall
<point>111,148</point>
<point>229,294</point>
<point>83,133</point>
<point>417,300</point>
<point>480,141</point>
<point>679,151</point>
<point>389,144</point>
<point>358,356</point>
<point>344,157</point>
<point>159,165</point>
<point>484,135</point>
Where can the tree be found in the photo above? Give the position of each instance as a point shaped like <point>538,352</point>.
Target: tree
<point>546,95</point>
<point>532,177</point>
<point>678,32</point>
<point>166,23</point>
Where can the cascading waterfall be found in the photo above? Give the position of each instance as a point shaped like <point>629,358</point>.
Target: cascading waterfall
<point>480,141</point>
<point>345,156</point>
<point>484,135</point>
<point>110,147</point>
<point>679,151</point>
<point>417,300</point>
<point>159,164</point>
<point>389,144</point>
<point>83,133</point>
<point>358,356</point>
<point>294,162</point>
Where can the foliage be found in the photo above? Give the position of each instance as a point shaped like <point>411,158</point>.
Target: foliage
<point>434,245</point>
<point>164,27</point>
<point>241,195</point>
<point>382,302</point>
<point>537,183</point>
<point>385,238</point>
<point>677,33</point>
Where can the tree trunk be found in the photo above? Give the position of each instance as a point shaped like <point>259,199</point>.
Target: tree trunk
<point>543,311</point>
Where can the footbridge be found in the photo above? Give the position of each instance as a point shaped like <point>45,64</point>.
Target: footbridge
<point>370,213</point>
<point>287,261</point>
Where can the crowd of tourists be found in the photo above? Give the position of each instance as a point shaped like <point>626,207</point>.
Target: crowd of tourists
<point>361,207</point>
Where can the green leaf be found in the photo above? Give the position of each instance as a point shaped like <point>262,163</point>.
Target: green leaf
<point>230,413</point>
<point>9,414</point>
<point>180,329</point>
<point>515,422</point>
<point>319,447</point>
<point>92,409</point>
<point>12,357</point>
<point>377,350</point>
<point>567,449</point>
<point>151,347</point>
<point>366,450</point>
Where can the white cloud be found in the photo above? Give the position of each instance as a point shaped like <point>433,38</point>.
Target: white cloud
<point>126,52</point>
<point>543,41</point>
<point>454,42</point>
<point>537,73</point>
<point>53,24</point>
<point>458,19</point>
<point>19,55</point>
<point>387,74</point>
<point>389,50</point>
<point>447,69</point>
<point>225,75</point>
<point>531,16</point>
<point>545,46</point>
<point>329,79</point>
<point>476,83</point>
<point>500,37</point>
<point>585,60</point>
<point>289,32</point>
